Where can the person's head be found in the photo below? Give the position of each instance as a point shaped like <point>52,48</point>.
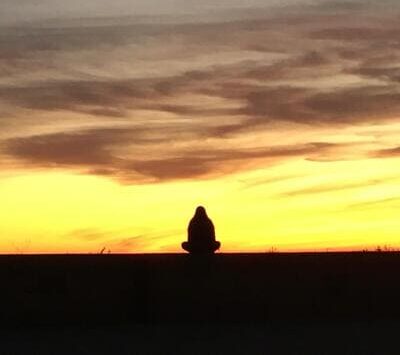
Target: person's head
<point>200,212</point>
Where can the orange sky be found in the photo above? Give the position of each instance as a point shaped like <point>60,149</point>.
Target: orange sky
<point>283,121</point>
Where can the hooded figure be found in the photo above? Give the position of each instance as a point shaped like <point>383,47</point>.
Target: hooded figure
<point>201,234</point>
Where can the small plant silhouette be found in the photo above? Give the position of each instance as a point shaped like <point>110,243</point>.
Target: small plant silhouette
<point>385,248</point>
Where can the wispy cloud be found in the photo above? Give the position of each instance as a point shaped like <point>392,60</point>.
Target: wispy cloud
<point>118,241</point>
<point>326,188</point>
<point>373,203</point>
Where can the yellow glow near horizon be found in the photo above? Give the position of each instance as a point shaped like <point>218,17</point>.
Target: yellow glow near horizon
<point>346,205</point>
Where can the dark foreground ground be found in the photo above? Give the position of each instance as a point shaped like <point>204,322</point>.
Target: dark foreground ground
<point>308,338</point>
<point>328,303</point>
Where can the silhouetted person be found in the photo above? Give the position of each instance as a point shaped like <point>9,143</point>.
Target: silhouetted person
<point>201,234</point>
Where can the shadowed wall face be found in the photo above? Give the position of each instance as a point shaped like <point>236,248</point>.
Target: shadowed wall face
<point>116,121</point>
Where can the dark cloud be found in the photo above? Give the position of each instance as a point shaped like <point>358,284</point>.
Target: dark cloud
<point>69,149</point>
<point>96,152</point>
<point>216,162</point>
<point>365,104</point>
<point>93,97</point>
<point>347,106</point>
<point>388,153</point>
<point>258,104</point>
<point>25,40</point>
<point>106,34</point>
<point>306,65</point>
<point>382,73</point>
<point>278,103</point>
<point>345,6</point>
<point>359,34</point>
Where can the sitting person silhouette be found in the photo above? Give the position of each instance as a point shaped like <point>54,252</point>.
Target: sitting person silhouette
<point>201,234</point>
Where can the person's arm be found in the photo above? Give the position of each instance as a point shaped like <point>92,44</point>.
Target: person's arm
<point>212,230</point>
<point>190,232</point>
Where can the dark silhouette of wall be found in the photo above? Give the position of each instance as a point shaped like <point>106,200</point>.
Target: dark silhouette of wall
<point>218,288</point>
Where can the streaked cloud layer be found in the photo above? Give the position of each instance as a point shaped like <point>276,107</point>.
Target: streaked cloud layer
<point>168,92</point>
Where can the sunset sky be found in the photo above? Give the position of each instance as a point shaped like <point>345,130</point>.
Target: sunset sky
<point>118,118</point>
